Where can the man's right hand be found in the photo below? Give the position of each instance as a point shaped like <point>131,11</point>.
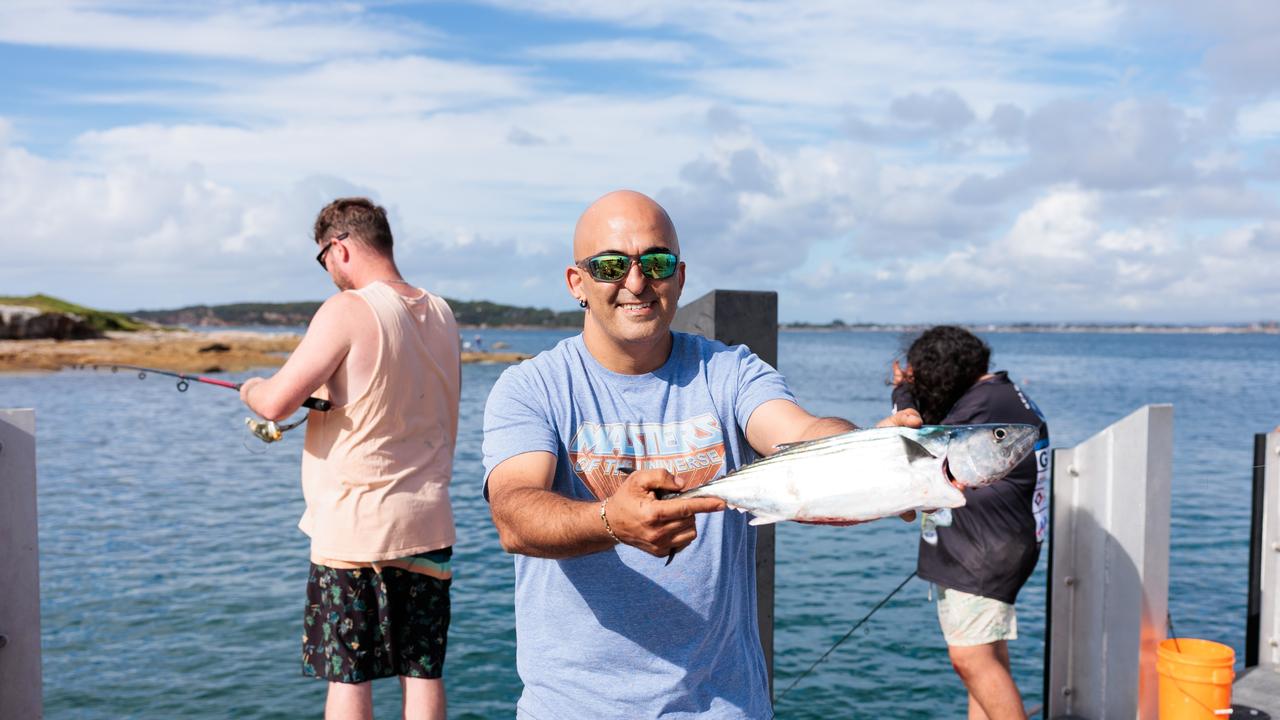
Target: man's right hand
<point>655,526</point>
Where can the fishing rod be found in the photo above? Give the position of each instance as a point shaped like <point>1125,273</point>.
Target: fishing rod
<point>184,382</point>
<point>267,431</point>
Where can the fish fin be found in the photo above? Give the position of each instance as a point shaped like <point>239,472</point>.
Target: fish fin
<point>671,556</point>
<point>915,451</point>
<point>783,447</point>
<point>764,520</point>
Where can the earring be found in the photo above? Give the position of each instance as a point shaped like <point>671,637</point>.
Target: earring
<point>582,303</point>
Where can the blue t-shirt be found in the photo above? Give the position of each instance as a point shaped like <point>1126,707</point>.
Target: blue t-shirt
<point>615,633</point>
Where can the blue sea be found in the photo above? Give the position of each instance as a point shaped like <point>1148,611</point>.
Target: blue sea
<point>172,571</point>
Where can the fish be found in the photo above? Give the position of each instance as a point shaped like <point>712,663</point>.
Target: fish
<point>870,474</point>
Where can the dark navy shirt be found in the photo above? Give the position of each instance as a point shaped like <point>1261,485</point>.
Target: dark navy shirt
<point>993,543</point>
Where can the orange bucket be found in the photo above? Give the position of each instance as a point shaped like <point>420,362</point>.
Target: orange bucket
<point>1195,679</point>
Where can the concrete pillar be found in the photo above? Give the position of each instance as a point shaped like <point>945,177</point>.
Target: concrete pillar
<point>739,317</point>
<point>20,690</point>
<point>1109,569</point>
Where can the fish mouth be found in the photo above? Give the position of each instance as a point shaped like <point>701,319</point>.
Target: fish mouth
<point>946,474</point>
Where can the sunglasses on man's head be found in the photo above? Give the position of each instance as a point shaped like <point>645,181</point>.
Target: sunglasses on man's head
<point>324,250</point>
<point>613,267</point>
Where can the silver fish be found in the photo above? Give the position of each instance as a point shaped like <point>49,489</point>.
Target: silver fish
<point>870,474</point>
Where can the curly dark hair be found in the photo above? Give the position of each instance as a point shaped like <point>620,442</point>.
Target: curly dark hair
<point>945,361</point>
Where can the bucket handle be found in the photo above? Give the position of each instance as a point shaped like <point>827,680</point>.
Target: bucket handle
<point>1216,675</point>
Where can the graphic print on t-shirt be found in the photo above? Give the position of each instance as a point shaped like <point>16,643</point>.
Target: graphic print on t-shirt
<point>690,449</point>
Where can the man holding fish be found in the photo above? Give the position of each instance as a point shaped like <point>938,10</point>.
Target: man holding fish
<point>579,444</point>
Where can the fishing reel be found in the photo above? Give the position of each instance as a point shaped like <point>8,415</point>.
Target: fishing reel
<point>265,430</point>
<point>268,431</point>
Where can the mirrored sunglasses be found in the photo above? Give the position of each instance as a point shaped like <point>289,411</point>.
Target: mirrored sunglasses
<point>613,267</point>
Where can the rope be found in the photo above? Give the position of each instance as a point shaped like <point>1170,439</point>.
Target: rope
<point>856,625</point>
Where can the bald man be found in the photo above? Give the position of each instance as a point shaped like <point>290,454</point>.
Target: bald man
<point>576,443</point>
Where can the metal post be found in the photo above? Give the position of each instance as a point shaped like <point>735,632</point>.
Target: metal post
<point>738,317</point>
<point>1262,626</point>
<point>1110,569</point>
<point>1258,686</point>
<point>20,690</point>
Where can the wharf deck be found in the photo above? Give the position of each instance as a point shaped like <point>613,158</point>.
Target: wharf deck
<point>1258,688</point>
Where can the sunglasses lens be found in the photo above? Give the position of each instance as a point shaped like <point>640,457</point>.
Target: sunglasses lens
<point>609,268</point>
<point>658,266</point>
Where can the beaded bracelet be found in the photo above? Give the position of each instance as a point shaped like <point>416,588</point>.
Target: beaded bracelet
<point>605,518</point>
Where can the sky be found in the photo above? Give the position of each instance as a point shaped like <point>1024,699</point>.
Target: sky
<point>933,161</point>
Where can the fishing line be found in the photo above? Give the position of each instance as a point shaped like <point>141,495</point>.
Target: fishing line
<point>1168,617</point>
<point>856,625</point>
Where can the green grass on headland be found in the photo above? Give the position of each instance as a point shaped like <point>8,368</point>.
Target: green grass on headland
<point>100,320</point>
<point>480,312</point>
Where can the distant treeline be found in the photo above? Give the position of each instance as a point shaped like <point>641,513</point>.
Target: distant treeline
<point>299,313</point>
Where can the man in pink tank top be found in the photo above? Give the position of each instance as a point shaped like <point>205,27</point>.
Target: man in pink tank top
<point>375,468</point>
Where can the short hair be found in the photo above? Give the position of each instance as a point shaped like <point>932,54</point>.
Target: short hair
<point>358,216</point>
<point>945,362</point>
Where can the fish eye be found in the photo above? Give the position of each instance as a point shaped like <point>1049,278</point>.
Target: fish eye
<point>1000,433</point>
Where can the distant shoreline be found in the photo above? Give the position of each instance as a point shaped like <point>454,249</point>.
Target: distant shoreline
<point>183,351</point>
<point>1068,328</point>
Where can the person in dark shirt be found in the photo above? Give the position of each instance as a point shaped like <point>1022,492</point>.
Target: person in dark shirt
<point>978,556</point>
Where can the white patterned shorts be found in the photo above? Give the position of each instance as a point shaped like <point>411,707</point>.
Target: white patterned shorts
<point>969,620</point>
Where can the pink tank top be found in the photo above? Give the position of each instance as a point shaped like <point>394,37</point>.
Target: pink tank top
<point>375,472</point>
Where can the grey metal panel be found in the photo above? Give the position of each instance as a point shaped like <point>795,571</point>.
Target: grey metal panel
<point>1269,617</point>
<point>20,691</point>
<point>742,317</point>
<point>1110,577</point>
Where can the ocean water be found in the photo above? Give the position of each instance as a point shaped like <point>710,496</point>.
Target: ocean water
<point>172,572</point>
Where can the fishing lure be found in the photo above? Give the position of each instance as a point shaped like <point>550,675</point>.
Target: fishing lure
<point>267,431</point>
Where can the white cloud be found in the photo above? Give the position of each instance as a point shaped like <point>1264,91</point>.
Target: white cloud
<point>1058,227</point>
<point>1239,36</point>
<point>1005,167</point>
<point>291,33</point>
<point>1260,121</point>
<point>652,51</point>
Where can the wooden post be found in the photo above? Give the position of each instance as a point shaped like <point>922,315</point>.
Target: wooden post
<point>739,317</point>
<point>20,691</point>
<point>1109,569</point>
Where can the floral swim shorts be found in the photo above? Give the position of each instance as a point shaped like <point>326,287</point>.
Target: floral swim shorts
<point>969,620</point>
<point>364,623</point>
